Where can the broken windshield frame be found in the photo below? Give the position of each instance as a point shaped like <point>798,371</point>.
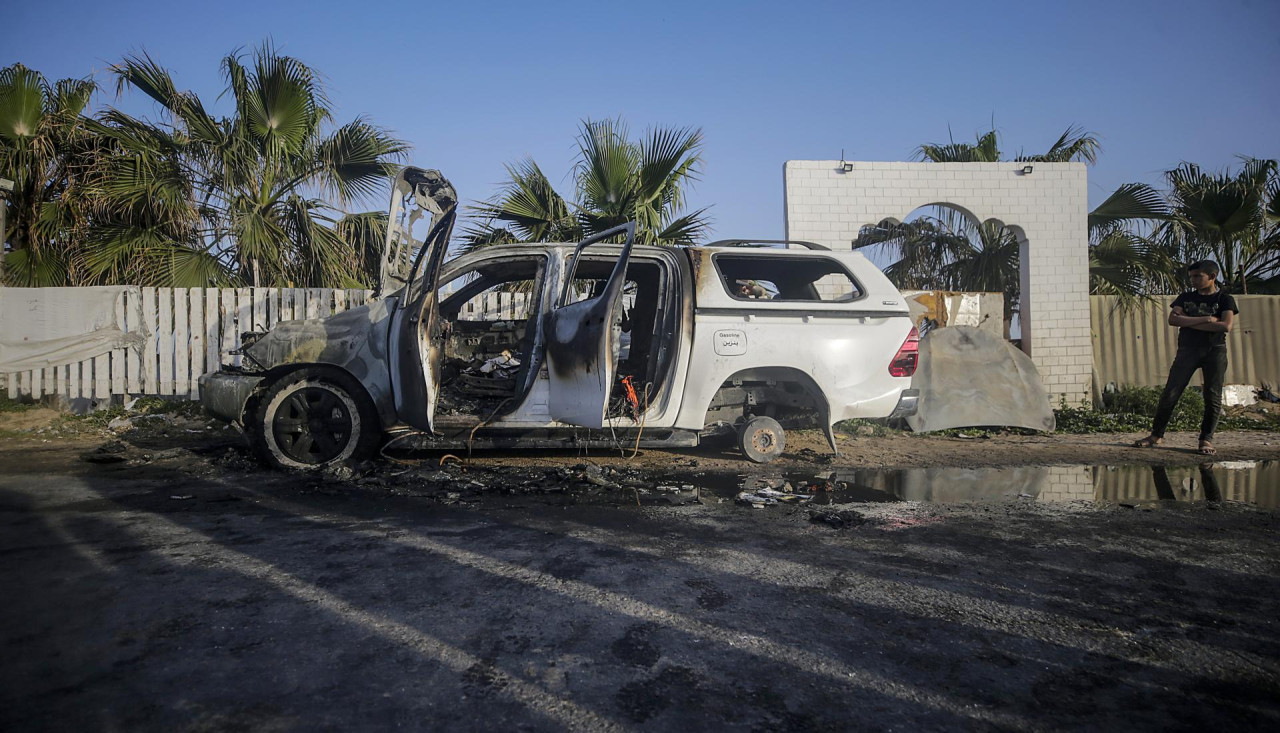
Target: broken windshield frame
<point>414,194</point>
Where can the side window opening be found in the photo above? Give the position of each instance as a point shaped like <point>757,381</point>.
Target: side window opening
<point>491,318</point>
<point>822,279</point>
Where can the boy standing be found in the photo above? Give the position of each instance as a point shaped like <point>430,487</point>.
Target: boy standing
<point>1204,316</point>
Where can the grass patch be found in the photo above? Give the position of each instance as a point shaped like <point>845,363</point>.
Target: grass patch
<point>8,405</point>
<point>1086,419</point>
<point>867,428</point>
<point>142,406</point>
<point>1131,409</point>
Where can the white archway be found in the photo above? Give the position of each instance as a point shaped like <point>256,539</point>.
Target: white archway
<point>829,201</point>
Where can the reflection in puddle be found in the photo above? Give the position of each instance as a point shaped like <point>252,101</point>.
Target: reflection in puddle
<point>1240,481</point>
<point>1244,481</point>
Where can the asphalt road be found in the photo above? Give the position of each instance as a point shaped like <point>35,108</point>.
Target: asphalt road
<point>187,593</point>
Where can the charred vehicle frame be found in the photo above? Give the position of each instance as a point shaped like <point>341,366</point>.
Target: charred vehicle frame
<point>615,344</point>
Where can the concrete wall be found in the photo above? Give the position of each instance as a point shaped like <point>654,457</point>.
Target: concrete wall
<point>1047,208</point>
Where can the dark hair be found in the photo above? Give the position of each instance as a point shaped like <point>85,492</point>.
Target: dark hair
<point>1208,267</point>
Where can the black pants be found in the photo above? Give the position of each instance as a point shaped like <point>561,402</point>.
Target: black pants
<point>1212,360</point>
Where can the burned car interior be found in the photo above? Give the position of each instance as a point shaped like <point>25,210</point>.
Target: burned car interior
<point>492,356</point>
<point>489,355</point>
<point>646,326</point>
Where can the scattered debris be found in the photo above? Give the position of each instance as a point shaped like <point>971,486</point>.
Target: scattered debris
<point>120,425</point>
<point>337,474</point>
<point>171,454</point>
<point>112,452</point>
<point>759,491</point>
<point>503,366</point>
<point>813,456</point>
<point>594,474</point>
<point>837,518</point>
<point>1239,394</point>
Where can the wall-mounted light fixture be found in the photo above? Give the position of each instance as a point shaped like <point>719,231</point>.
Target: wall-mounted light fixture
<point>1026,170</point>
<point>844,166</point>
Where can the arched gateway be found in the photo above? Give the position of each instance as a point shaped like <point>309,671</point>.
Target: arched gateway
<point>829,201</point>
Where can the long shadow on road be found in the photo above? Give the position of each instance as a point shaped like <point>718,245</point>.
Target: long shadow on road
<point>260,603</point>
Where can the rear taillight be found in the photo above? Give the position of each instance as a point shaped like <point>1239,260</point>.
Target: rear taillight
<point>904,362</point>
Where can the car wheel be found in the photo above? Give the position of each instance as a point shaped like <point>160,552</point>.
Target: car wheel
<point>761,439</point>
<point>311,420</point>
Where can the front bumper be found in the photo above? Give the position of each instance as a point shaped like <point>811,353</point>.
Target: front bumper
<point>224,394</point>
<point>907,403</point>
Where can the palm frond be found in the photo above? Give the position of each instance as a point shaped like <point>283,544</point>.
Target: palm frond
<point>481,234</point>
<point>530,205</point>
<point>70,97</point>
<point>141,72</point>
<point>1074,144</point>
<point>606,173</point>
<point>984,150</point>
<point>364,234</point>
<point>22,103</point>
<point>687,229</point>
<point>1131,201</point>
<point>32,268</point>
<point>352,162</point>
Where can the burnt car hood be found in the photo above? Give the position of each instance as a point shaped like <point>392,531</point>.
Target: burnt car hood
<point>353,339</point>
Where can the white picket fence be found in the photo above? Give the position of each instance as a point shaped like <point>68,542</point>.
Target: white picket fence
<point>190,330</point>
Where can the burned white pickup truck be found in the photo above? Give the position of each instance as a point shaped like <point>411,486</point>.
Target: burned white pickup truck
<point>615,344</point>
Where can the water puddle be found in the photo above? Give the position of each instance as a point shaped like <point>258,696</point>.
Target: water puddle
<point>1251,482</point>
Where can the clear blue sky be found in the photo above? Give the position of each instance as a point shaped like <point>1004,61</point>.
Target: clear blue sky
<point>473,85</point>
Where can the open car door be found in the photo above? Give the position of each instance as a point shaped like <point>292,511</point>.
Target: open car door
<point>583,340</point>
<point>416,331</point>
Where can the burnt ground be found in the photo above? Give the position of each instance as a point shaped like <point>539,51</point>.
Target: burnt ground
<point>158,580</point>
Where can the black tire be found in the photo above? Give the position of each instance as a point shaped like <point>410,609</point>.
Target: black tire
<point>761,439</point>
<point>313,419</point>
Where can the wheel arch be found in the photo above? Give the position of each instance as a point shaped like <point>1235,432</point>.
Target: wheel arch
<point>785,374</point>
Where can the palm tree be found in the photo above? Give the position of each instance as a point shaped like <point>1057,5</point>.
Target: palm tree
<point>946,250</point>
<point>1124,260</point>
<point>1233,219</point>
<point>616,180</point>
<point>258,197</point>
<point>1073,144</point>
<point>46,147</point>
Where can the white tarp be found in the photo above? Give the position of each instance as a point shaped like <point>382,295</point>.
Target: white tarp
<point>42,328</point>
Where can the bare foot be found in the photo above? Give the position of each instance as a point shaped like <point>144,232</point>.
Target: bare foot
<point>1207,448</point>
<point>1150,441</point>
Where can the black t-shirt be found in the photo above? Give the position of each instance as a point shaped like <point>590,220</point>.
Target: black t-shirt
<point>1195,304</point>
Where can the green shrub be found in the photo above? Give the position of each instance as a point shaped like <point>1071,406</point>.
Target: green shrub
<point>1131,409</point>
<point>1085,419</point>
<point>864,427</point>
<point>1144,400</point>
